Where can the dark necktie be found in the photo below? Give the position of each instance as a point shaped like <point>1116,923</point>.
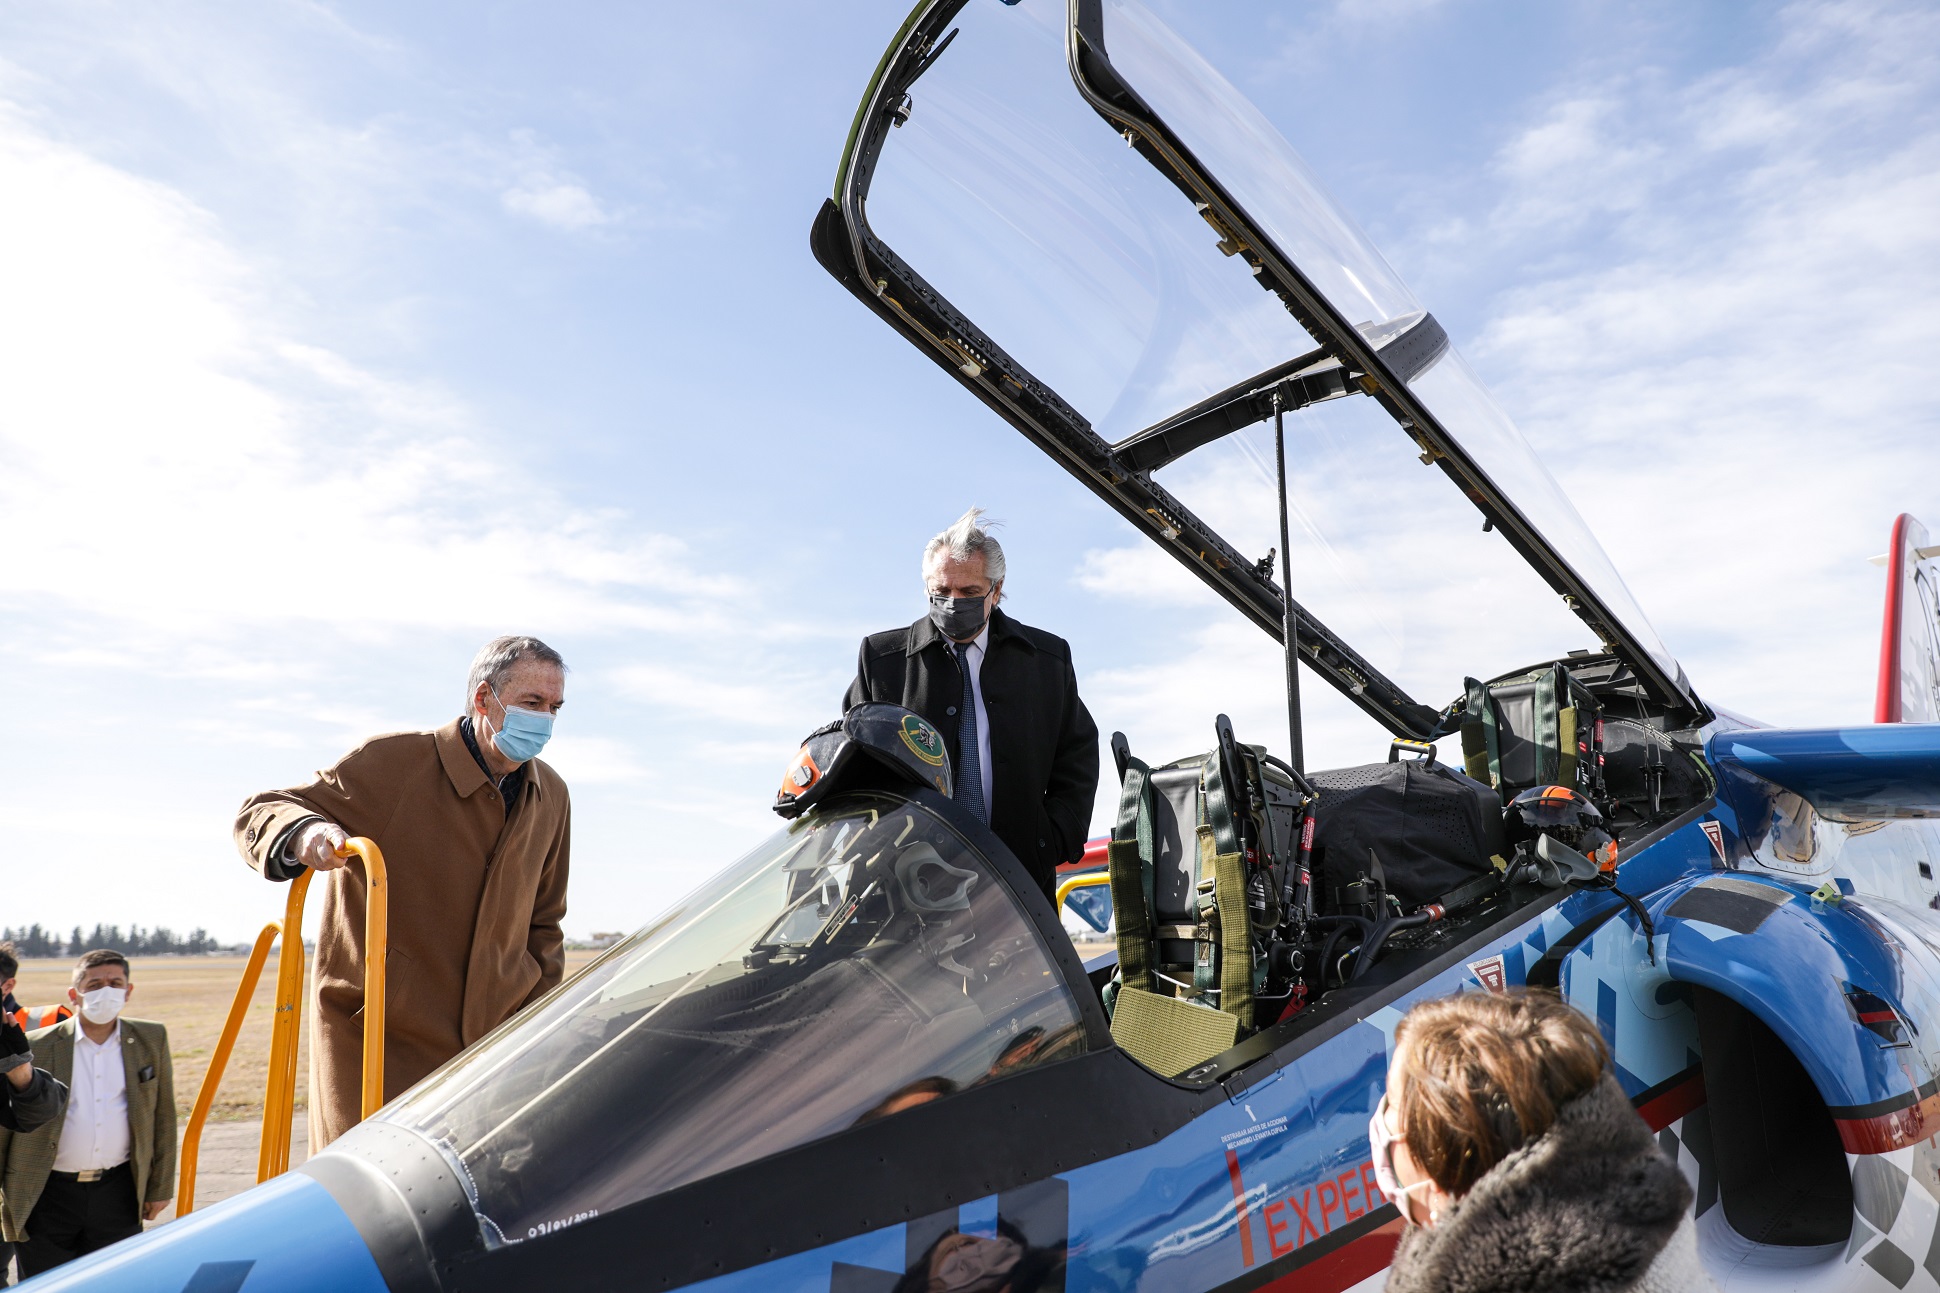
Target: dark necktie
<point>969,785</point>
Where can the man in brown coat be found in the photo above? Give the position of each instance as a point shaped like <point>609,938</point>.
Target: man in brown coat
<point>475,832</point>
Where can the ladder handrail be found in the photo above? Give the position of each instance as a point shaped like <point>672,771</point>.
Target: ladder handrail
<point>279,1088</point>
<point>279,1093</point>
<point>205,1098</point>
<point>377,936</point>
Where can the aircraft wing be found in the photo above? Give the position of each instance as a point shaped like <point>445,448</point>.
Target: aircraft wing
<point>1890,770</point>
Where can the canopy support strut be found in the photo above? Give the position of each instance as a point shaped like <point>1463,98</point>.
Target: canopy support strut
<point>1289,623</point>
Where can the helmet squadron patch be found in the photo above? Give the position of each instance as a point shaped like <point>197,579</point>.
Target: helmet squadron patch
<point>924,741</point>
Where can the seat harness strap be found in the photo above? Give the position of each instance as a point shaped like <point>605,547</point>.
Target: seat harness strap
<point>1483,757</point>
<point>1131,859</point>
<point>1223,956</point>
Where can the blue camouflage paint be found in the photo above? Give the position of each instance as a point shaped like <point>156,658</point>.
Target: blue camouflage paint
<point>1792,973</point>
<point>287,1236</point>
<point>1283,1164</point>
<point>1165,1217</point>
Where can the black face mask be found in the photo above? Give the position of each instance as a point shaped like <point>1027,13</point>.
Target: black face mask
<point>958,618</point>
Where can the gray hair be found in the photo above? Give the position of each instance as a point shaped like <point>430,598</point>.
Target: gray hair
<point>496,658</point>
<point>967,536</point>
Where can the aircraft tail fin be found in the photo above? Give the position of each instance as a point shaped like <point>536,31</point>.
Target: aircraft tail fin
<point>1909,648</point>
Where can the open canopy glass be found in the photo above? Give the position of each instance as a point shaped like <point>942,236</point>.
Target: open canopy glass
<point>1075,211</point>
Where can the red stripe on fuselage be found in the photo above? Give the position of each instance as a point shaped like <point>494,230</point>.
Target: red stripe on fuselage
<point>1239,1207</point>
<point>1662,1108</point>
<point>1885,1132</point>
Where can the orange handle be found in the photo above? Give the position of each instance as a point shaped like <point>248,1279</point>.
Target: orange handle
<point>377,933</point>
<point>279,1093</point>
<point>206,1097</point>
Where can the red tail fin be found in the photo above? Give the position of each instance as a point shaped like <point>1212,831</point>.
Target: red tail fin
<point>1909,646</point>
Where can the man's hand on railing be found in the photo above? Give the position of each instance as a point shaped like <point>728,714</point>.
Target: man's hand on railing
<point>318,846</point>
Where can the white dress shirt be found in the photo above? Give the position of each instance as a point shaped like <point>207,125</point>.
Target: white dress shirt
<point>95,1134</point>
<point>975,658</point>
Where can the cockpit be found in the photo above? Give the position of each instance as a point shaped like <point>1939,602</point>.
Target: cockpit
<point>860,963</point>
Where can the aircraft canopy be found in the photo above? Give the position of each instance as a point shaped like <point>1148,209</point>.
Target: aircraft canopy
<point>859,963</point>
<point>1107,300</point>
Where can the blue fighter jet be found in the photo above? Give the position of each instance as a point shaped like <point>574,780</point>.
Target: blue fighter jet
<point>866,1057</point>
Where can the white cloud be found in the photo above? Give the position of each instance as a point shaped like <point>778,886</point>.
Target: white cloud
<point>233,553</point>
<point>1142,574</point>
<point>543,188</point>
<point>181,468</point>
<point>559,203</point>
<point>1730,370</point>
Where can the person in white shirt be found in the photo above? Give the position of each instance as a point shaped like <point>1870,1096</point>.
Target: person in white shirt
<point>94,1176</point>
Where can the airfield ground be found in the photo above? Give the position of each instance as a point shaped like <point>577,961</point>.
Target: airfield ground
<point>192,994</point>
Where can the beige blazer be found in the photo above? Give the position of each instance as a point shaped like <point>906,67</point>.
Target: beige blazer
<point>27,1157</point>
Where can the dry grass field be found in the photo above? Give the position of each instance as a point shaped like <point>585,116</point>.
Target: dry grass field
<point>192,994</point>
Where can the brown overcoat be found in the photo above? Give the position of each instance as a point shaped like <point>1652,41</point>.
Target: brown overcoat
<point>475,906</point>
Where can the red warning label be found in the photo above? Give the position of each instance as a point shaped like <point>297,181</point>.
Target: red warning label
<point>1491,974</point>
<point>1714,831</point>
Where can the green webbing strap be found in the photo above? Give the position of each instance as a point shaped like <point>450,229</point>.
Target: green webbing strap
<point>1480,709</point>
<point>1566,720</point>
<point>1168,1035</point>
<point>1218,837</point>
<point>1231,923</point>
<point>1134,824</point>
<point>1223,956</point>
<point>1549,741</point>
<point>1219,805</point>
<point>1130,858</point>
<point>1205,959</point>
<point>1235,941</point>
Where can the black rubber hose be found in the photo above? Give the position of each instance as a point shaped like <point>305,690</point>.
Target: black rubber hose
<point>1371,949</point>
<point>1345,918</point>
<point>1356,926</point>
<point>1299,779</point>
<point>1327,952</point>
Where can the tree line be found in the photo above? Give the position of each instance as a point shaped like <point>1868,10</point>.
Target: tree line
<point>136,941</point>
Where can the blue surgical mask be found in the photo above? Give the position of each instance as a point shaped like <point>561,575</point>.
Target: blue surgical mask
<point>522,734</point>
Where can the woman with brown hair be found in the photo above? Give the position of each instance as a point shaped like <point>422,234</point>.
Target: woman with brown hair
<point>1518,1162</point>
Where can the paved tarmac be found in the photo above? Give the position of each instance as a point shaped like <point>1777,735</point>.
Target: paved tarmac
<point>228,1161</point>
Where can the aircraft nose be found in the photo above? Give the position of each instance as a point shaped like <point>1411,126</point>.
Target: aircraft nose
<point>287,1235</point>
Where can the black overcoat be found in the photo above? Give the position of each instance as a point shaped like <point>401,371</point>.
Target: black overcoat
<point>1043,744</point>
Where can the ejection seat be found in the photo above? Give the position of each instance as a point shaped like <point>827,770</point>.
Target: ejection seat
<point>1190,960</point>
<point>1204,959</point>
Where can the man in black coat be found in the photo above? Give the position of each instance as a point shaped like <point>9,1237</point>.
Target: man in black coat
<point>1023,748</point>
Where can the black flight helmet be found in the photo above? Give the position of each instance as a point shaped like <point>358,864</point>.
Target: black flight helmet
<point>872,747</point>
<point>1567,816</point>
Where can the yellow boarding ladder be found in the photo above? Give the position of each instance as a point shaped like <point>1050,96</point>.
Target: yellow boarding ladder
<point>279,1093</point>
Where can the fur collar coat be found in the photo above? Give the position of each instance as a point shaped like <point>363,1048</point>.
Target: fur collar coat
<point>1591,1206</point>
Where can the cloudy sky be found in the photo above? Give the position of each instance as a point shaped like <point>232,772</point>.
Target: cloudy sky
<point>338,337</point>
